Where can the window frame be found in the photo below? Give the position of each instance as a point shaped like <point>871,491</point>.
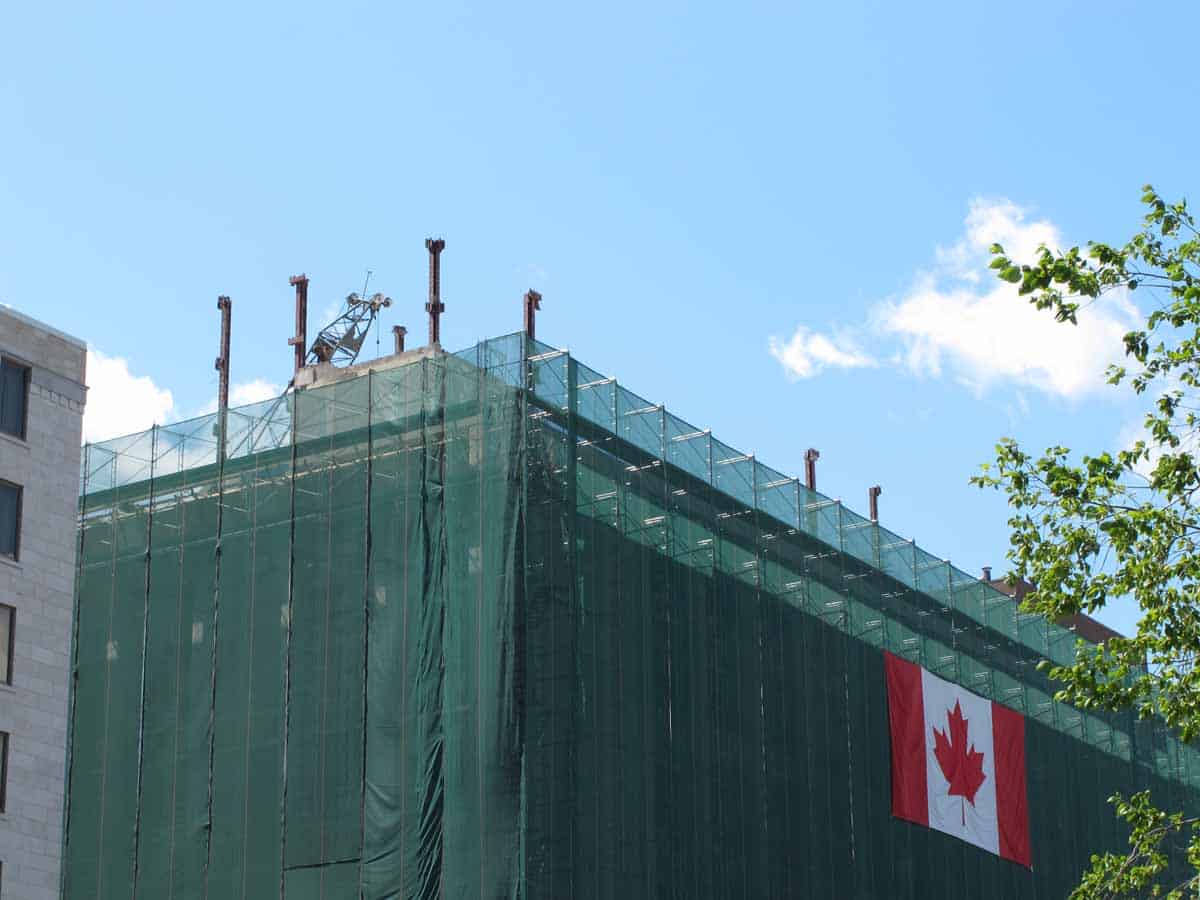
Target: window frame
<point>6,674</point>
<point>16,554</point>
<point>26,379</point>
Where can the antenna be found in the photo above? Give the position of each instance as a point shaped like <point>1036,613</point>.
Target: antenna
<point>366,282</point>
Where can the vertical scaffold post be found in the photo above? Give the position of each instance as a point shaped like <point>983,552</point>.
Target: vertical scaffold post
<point>434,306</point>
<point>300,340</point>
<point>225,305</point>
<point>873,501</point>
<point>533,302</point>
<point>398,333</point>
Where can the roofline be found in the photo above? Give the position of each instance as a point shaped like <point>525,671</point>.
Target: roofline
<point>38,323</point>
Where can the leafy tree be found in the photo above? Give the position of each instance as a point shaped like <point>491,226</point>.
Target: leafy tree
<point>1087,529</point>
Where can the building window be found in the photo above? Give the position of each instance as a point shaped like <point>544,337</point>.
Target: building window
<point>14,397</point>
<point>10,519</point>
<point>3,771</point>
<point>8,619</point>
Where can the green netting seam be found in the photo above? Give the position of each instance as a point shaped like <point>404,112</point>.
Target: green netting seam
<point>366,638</point>
<point>137,817</point>
<point>287,667</point>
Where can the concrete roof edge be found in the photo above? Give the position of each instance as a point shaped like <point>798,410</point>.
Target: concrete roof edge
<point>8,310</point>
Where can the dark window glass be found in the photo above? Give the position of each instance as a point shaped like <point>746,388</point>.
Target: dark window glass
<point>10,519</point>
<point>8,617</point>
<point>14,397</point>
<point>3,770</point>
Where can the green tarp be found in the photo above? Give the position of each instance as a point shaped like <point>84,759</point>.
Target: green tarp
<point>491,626</point>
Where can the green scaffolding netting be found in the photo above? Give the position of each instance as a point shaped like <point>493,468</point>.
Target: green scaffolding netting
<point>490,625</point>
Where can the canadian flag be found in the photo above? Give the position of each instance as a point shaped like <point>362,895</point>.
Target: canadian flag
<point>958,761</point>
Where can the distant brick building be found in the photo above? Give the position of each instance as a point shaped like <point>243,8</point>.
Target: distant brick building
<point>1080,623</point>
<point>41,408</point>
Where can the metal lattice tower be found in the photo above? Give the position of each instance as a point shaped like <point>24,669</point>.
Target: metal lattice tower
<point>340,340</point>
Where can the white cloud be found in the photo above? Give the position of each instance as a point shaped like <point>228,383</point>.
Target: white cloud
<point>808,353</point>
<point>253,392</point>
<point>994,222</point>
<point>119,402</point>
<point>245,393</point>
<point>958,320</point>
<point>992,335</point>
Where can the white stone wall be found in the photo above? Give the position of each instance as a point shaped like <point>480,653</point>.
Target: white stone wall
<point>40,585</point>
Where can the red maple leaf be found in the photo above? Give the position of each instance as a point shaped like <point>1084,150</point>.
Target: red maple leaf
<point>961,764</point>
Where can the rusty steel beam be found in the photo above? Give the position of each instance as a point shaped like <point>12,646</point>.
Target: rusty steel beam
<point>533,302</point>
<point>225,305</point>
<point>300,340</point>
<point>873,501</point>
<point>811,455</point>
<point>398,333</point>
<point>434,306</point>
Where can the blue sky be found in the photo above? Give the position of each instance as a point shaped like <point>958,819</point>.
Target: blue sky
<point>769,218</point>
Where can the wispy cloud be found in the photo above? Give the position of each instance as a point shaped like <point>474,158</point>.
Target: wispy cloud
<point>245,393</point>
<point>807,353</point>
<point>253,392</point>
<point>1134,430</point>
<point>536,275</point>
<point>958,320</point>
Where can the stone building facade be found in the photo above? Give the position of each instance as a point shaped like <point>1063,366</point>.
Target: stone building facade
<point>42,397</point>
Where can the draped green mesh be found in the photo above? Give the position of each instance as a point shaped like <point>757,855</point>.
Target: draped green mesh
<point>490,625</point>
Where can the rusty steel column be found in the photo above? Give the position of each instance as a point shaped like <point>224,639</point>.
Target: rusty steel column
<point>435,307</point>
<point>398,333</point>
<point>225,305</point>
<point>811,455</point>
<point>300,341</point>
<point>873,501</point>
<point>533,302</point>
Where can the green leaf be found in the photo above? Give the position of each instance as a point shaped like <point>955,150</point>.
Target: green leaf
<point>1089,529</point>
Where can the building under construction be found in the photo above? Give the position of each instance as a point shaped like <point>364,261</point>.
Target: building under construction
<point>489,624</point>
